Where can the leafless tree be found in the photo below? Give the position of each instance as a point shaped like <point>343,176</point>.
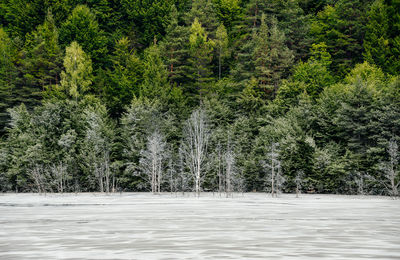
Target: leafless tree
<point>359,179</point>
<point>196,137</point>
<point>391,173</point>
<point>97,149</point>
<point>218,164</point>
<point>183,175</point>
<point>229,169</point>
<point>60,175</point>
<point>274,170</point>
<point>173,177</point>
<point>299,181</point>
<point>152,160</point>
<point>38,174</point>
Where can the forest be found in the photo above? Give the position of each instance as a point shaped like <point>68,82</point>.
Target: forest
<point>200,95</point>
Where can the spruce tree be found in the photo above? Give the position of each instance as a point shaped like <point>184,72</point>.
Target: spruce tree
<point>221,46</point>
<point>201,49</point>
<point>8,73</point>
<point>124,78</point>
<point>204,11</point>
<point>175,50</point>
<point>43,61</point>
<point>82,27</point>
<point>381,46</point>
<point>272,57</point>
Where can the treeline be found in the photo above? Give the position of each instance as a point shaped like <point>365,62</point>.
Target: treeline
<point>182,95</point>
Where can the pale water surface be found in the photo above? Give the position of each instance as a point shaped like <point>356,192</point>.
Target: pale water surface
<point>146,226</point>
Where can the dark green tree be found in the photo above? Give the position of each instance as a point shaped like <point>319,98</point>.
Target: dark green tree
<point>124,79</point>
<point>82,27</point>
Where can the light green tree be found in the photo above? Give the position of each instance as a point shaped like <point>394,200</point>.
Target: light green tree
<point>76,79</point>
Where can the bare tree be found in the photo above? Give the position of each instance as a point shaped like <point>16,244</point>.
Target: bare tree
<point>391,173</point>
<point>183,175</point>
<point>299,181</point>
<point>359,180</point>
<point>218,159</point>
<point>152,160</point>
<point>196,137</point>
<point>173,177</point>
<point>60,175</point>
<point>97,147</point>
<point>274,171</point>
<point>229,169</point>
<point>38,174</point>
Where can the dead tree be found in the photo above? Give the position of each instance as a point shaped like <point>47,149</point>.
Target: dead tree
<point>38,174</point>
<point>229,169</point>
<point>196,136</point>
<point>183,176</point>
<point>152,160</point>
<point>359,180</point>
<point>299,181</point>
<point>60,175</point>
<point>391,174</point>
<point>219,168</point>
<point>274,171</point>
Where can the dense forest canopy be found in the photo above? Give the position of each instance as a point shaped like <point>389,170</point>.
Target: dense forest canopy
<point>179,95</point>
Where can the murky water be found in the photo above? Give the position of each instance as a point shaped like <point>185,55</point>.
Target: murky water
<point>145,226</point>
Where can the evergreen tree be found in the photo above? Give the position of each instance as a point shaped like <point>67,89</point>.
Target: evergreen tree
<point>381,48</point>
<point>221,45</point>
<point>8,73</point>
<point>148,18</point>
<point>175,50</point>
<point>201,48</point>
<point>205,13</point>
<point>124,78</point>
<point>155,78</point>
<point>43,60</point>
<point>228,12</point>
<point>342,28</point>
<point>82,27</point>
<point>272,58</point>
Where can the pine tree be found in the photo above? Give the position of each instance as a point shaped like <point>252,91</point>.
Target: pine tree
<point>175,50</point>
<point>124,78</point>
<point>228,12</point>
<point>82,27</point>
<point>155,78</point>
<point>380,47</point>
<point>43,61</point>
<point>204,11</point>
<point>342,28</point>
<point>8,73</point>
<point>221,45</point>
<point>148,18</point>
<point>201,48</point>
<point>272,57</point>
<point>291,21</point>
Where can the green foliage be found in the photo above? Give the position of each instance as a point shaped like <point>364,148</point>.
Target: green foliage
<point>381,41</point>
<point>228,12</point>
<point>318,79</point>
<point>124,79</point>
<point>77,77</point>
<point>175,50</point>
<point>149,18</point>
<point>82,27</point>
<point>342,28</point>
<point>8,72</point>
<point>201,50</point>
<point>43,58</point>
